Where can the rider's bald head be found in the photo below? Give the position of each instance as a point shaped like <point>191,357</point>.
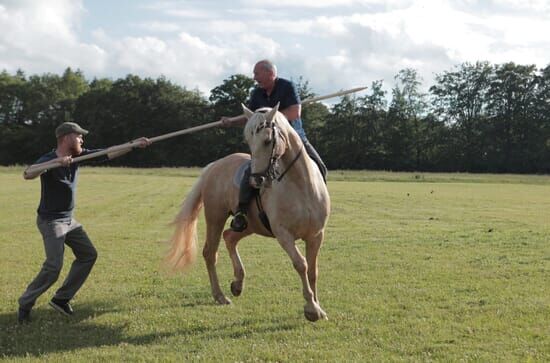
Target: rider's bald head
<point>268,66</point>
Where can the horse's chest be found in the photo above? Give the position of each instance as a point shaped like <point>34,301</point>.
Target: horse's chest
<point>299,215</point>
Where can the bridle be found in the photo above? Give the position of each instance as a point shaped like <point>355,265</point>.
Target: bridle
<point>271,172</point>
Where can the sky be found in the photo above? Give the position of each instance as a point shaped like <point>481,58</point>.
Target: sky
<point>333,44</point>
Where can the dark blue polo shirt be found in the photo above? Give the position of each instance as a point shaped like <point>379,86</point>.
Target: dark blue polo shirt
<point>58,188</point>
<point>283,92</point>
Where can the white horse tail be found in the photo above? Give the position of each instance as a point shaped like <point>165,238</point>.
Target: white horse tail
<point>183,245</point>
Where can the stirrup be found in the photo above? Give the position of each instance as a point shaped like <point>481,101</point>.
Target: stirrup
<point>239,222</point>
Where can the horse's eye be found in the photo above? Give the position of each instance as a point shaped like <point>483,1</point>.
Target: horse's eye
<point>267,141</point>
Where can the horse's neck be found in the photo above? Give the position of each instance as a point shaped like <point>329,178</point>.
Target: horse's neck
<point>298,170</point>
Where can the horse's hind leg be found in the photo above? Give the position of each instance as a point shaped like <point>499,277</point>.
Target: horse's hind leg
<point>312,310</point>
<point>231,239</point>
<point>312,250</point>
<point>214,227</point>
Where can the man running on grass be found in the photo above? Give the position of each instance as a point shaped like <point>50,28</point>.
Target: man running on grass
<point>56,223</point>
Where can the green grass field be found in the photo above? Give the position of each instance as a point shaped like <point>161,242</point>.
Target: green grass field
<point>415,267</point>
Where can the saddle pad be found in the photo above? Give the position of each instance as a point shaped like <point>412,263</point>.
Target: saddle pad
<point>240,172</point>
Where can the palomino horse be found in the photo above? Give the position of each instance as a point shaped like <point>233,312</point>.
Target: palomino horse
<point>293,195</point>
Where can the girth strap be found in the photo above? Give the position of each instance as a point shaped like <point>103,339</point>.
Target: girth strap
<point>261,213</point>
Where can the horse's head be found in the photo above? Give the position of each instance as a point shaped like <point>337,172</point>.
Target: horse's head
<point>266,141</point>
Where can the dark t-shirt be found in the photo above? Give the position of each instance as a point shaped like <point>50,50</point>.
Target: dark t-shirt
<point>58,188</point>
<point>283,92</point>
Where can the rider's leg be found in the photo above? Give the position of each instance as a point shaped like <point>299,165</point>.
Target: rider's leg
<point>315,156</point>
<point>246,193</point>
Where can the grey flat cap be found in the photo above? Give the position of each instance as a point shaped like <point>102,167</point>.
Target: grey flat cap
<point>69,127</point>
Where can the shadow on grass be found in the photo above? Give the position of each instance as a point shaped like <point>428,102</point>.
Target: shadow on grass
<point>50,332</point>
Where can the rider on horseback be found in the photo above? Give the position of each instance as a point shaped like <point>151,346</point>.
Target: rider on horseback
<point>270,91</point>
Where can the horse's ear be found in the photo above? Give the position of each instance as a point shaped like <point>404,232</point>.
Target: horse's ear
<point>247,112</point>
<point>272,113</point>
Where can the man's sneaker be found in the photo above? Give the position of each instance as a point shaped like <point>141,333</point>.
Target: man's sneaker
<point>23,316</point>
<point>239,222</point>
<point>63,308</point>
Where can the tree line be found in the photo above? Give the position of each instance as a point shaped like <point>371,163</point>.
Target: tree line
<point>478,117</point>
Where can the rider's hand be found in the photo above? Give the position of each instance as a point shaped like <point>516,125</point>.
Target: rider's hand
<point>65,160</point>
<point>142,142</point>
<point>226,121</point>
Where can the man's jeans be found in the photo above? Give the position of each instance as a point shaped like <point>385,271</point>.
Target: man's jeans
<point>56,233</point>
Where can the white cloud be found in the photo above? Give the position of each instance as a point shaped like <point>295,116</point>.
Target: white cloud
<point>333,26</point>
<point>462,36</point>
<point>332,43</point>
<point>188,13</point>
<point>177,9</point>
<point>282,26</point>
<point>301,3</point>
<point>158,26</point>
<point>227,26</point>
<point>323,3</point>
<point>193,42</point>
<point>187,59</point>
<point>40,36</point>
<point>340,61</point>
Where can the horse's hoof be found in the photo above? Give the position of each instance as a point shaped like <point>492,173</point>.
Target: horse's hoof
<point>312,315</point>
<point>313,312</point>
<point>222,300</point>
<point>236,288</point>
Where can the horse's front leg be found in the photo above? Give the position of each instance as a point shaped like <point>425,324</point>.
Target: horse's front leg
<point>313,245</point>
<point>231,239</point>
<point>210,254</point>
<point>312,310</point>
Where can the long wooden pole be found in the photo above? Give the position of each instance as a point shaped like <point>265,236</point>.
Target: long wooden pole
<point>218,123</point>
<point>332,95</point>
<point>123,147</point>
<point>130,145</point>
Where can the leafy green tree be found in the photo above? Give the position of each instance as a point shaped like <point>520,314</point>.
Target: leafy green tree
<point>12,90</point>
<point>134,107</point>
<point>35,106</point>
<point>342,135</point>
<point>315,116</point>
<point>459,99</point>
<point>403,132</point>
<point>479,118</point>
<point>541,112</point>
<point>373,111</point>
<point>303,88</point>
<point>515,125</point>
<point>226,100</point>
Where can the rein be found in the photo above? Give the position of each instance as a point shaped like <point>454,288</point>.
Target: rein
<point>291,163</point>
